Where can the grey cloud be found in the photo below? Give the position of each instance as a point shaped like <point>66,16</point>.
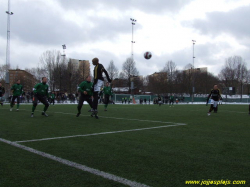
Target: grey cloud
<point>149,6</point>
<point>234,22</point>
<point>38,24</point>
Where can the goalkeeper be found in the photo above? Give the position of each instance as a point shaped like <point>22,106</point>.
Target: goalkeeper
<point>85,89</point>
<point>107,93</point>
<point>41,93</point>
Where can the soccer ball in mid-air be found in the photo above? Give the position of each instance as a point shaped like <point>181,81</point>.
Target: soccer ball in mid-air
<point>147,55</point>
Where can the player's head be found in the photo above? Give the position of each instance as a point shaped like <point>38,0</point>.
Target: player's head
<point>107,83</point>
<point>18,81</point>
<point>88,78</point>
<point>215,87</point>
<point>44,80</point>
<point>95,61</point>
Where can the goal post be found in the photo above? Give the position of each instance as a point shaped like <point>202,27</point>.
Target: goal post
<point>142,98</point>
<point>117,98</point>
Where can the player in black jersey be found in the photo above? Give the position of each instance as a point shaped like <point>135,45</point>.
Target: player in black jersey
<point>98,83</point>
<point>159,100</point>
<point>215,97</point>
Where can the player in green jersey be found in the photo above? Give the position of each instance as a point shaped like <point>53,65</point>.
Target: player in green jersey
<point>107,93</point>
<point>17,90</point>
<point>41,94</point>
<point>52,97</point>
<point>86,94</point>
<point>171,101</point>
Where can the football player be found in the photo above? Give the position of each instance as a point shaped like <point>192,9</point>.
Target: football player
<point>17,92</point>
<point>215,96</point>
<point>85,89</point>
<point>41,93</point>
<point>98,83</point>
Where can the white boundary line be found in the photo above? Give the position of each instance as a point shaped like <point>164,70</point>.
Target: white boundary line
<point>101,133</point>
<point>110,117</point>
<point>77,166</point>
<point>118,118</point>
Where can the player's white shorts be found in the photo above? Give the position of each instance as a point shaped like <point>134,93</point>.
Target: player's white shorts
<point>215,103</point>
<point>98,86</point>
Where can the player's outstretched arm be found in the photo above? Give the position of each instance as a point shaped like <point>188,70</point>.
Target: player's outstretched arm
<point>106,73</point>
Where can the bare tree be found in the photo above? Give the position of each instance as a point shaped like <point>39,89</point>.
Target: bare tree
<point>158,83</point>
<point>112,70</point>
<point>234,73</point>
<point>50,61</point>
<point>129,70</point>
<point>3,69</point>
<point>170,69</point>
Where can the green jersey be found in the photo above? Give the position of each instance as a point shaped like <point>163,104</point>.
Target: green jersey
<point>86,86</point>
<point>41,89</point>
<point>17,89</point>
<point>107,90</point>
<point>171,97</point>
<point>52,96</point>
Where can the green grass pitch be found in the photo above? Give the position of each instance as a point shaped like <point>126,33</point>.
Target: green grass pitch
<point>215,147</point>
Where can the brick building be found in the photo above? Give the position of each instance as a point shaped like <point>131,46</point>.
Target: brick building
<point>27,80</point>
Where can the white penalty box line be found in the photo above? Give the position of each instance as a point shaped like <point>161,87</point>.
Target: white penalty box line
<point>76,165</point>
<point>101,133</point>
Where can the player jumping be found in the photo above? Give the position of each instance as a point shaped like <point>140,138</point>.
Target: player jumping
<point>85,89</point>
<point>98,83</point>
<point>215,96</point>
<point>40,93</point>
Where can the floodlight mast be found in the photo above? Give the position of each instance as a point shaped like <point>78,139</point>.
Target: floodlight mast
<point>133,23</point>
<point>9,13</point>
<point>193,88</point>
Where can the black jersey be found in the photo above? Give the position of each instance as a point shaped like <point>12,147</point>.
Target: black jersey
<point>98,70</point>
<point>159,98</point>
<point>214,94</point>
<point>2,91</point>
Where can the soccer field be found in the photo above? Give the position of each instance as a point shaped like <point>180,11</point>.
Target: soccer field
<point>136,145</point>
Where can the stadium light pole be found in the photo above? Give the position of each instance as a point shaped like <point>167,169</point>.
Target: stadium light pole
<point>133,23</point>
<point>63,55</point>
<point>9,13</point>
<point>132,53</point>
<point>193,89</point>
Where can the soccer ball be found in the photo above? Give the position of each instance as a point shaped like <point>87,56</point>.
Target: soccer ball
<point>147,55</point>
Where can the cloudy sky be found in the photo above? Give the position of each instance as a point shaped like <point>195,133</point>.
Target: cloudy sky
<point>102,28</point>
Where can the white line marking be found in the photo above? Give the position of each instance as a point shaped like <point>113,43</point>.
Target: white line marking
<point>78,166</point>
<point>117,118</point>
<point>109,117</point>
<point>101,133</point>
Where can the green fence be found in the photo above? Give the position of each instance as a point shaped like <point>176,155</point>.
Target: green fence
<point>118,98</point>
